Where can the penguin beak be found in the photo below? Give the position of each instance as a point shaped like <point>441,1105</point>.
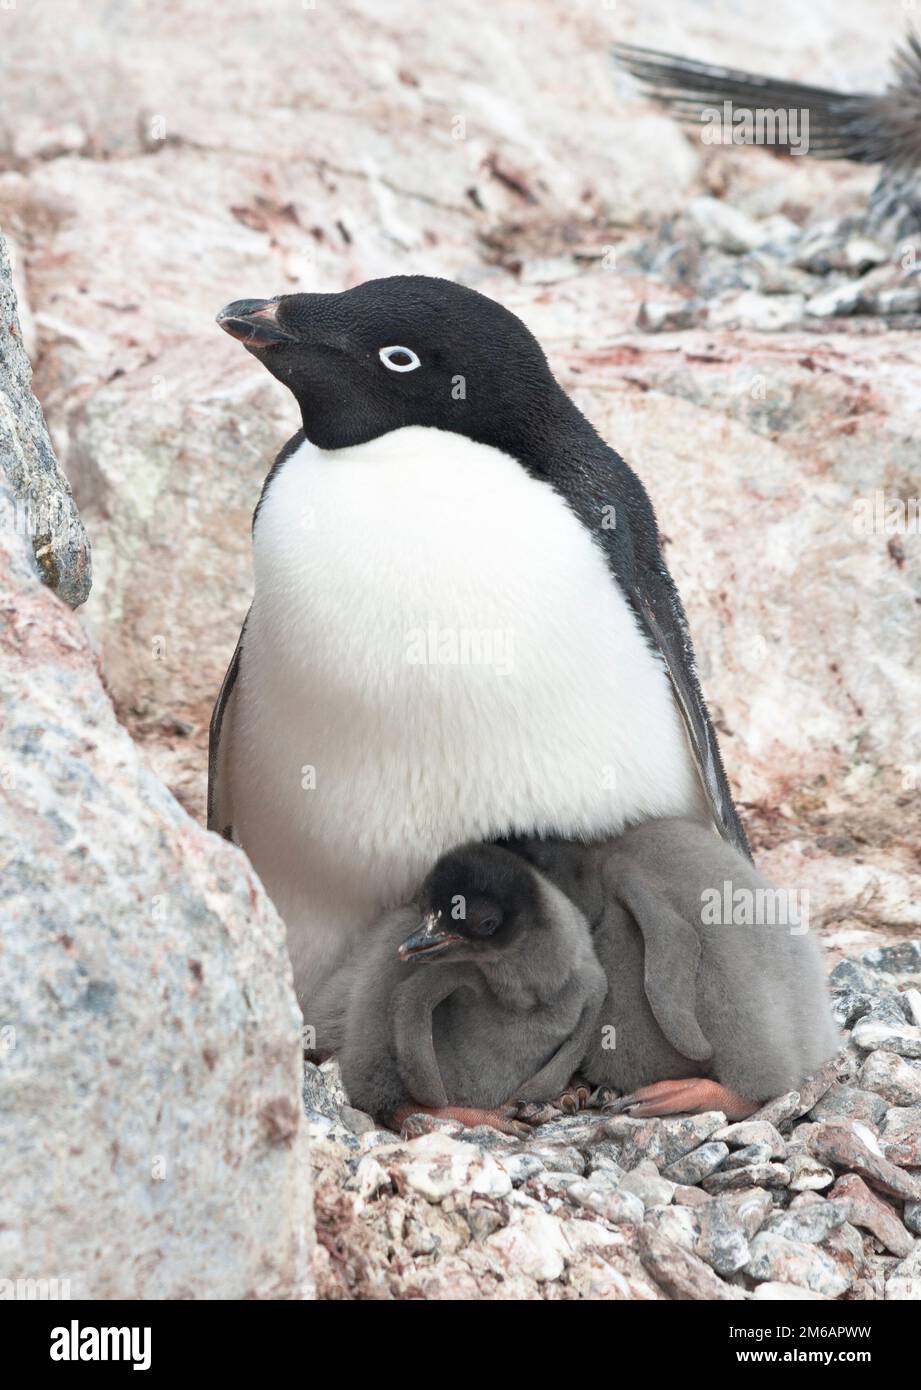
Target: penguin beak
<point>430,940</point>
<point>254,323</point>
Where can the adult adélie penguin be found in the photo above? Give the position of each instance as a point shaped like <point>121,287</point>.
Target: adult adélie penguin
<point>462,625</point>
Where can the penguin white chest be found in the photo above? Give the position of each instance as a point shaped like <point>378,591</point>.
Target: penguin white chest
<point>436,652</point>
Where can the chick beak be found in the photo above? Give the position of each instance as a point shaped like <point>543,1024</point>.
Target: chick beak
<point>254,323</point>
<point>430,939</point>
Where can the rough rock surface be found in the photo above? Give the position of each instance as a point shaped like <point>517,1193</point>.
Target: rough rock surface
<point>152,1137</point>
<point>38,502</point>
<point>586,1207</point>
<point>143,199</point>
<point>731,323</point>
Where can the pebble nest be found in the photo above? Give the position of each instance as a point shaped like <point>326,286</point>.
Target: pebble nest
<point>816,1196</point>
<point>769,275</point>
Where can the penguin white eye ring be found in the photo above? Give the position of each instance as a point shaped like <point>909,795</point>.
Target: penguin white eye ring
<point>399,359</point>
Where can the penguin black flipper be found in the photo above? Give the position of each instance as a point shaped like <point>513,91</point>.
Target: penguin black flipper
<point>655,601</point>
<point>220,809</point>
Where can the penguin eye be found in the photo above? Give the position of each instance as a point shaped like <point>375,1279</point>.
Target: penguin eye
<point>399,359</point>
<point>487,924</point>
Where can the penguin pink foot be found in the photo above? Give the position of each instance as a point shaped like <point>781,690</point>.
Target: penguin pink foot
<point>690,1096</point>
<point>502,1118</point>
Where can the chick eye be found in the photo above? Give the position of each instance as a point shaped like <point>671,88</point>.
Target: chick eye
<point>487,925</point>
<point>399,359</point>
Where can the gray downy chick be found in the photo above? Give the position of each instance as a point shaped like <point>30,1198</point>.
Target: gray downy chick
<point>701,1012</point>
<point>492,999</point>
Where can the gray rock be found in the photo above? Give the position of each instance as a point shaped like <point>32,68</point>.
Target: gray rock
<point>892,1008</point>
<point>764,313</point>
<point>912,1218</point>
<point>852,1102</point>
<point>369,1178</point>
<point>645,1182</point>
<point>777,1112</point>
<point>316,1095</point>
<point>489,1140</point>
<point>677,1224</point>
<point>680,1136</point>
<point>783,1261</point>
<point>812,1223</point>
<point>911,998</point>
<point>356,1121</point>
<point>848,1005</point>
<point>558,1158</point>
<point>748,1132</point>
<point>607,1202</point>
<point>698,1164</point>
<point>896,964</point>
<point>550,1184</point>
<point>520,1165</point>
<point>755,1175</point>
<point>374,1139</point>
<point>877,1031</point>
<point>482,1220</point>
<point>839,300</point>
<point>719,224</point>
<point>580,1129</point>
<point>38,504</point>
<point>657,316</point>
<point>793,1293</point>
<point>900,1138</point>
<point>603,1157</point>
<point>904,1282</point>
<point>752,1154</point>
<point>152,1072</point>
<point>682,1274</point>
<point>895,1078</point>
<point>420,1123</point>
<point>859,978</point>
<point>807,1173</point>
<point>837,1070</point>
<point>727,1225</point>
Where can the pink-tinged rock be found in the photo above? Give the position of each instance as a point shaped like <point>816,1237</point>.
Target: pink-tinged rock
<point>843,1148</point>
<point>904,1282</point>
<point>897,1079</point>
<point>681,1274</point>
<point>788,1293</point>
<point>900,1137</point>
<point>872,1214</point>
<point>783,1261</point>
<point>151,1121</point>
<point>534,1243</point>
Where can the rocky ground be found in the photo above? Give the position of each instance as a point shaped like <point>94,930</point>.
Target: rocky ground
<point>817,1196</point>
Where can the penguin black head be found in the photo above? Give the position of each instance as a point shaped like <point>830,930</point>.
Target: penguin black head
<point>406,350</point>
<point>477,902</point>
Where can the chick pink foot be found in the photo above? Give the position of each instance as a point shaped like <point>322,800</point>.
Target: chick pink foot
<point>689,1096</point>
<point>502,1118</point>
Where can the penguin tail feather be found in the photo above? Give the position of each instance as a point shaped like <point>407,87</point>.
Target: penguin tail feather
<point>865,128</point>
